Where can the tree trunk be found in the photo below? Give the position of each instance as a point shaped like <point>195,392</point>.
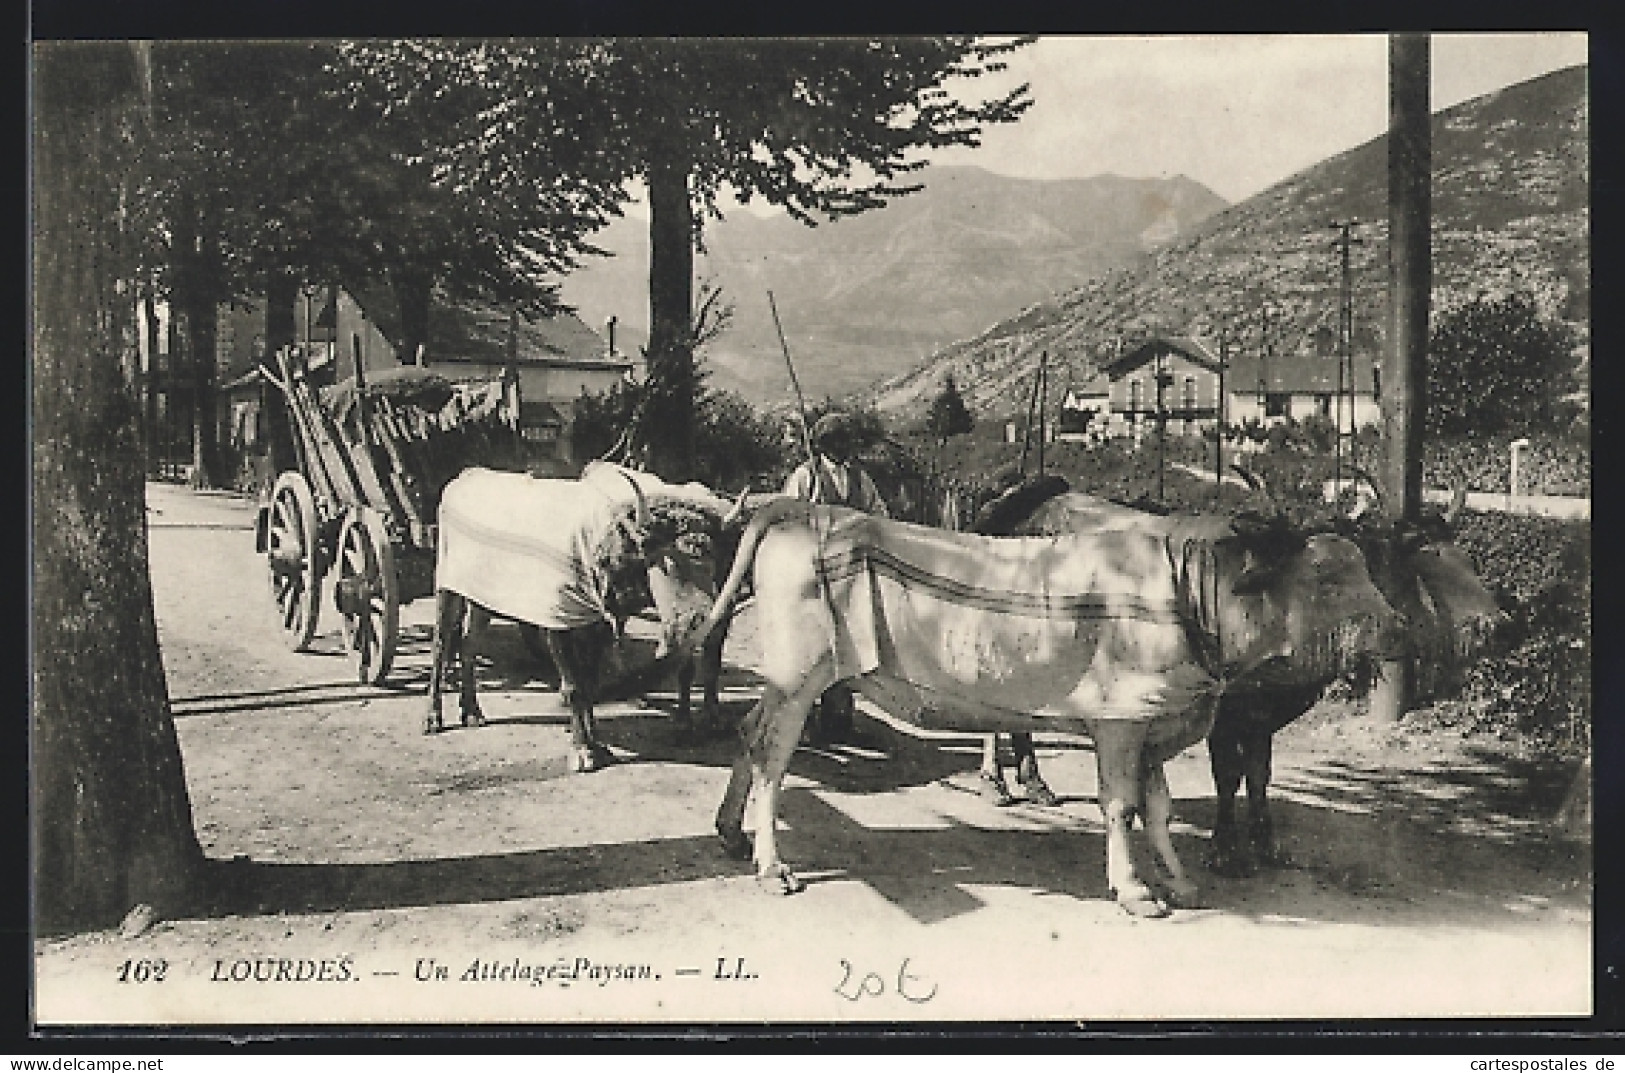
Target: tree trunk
<point>413,291</point>
<point>194,299</point>
<point>668,433</point>
<point>149,398</point>
<point>200,344</point>
<point>112,822</point>
<point>281,292</point>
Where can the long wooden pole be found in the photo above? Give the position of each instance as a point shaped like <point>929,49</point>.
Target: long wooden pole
<point>801,400</point>
<point>1410,279</point>
<point>1027,431</point>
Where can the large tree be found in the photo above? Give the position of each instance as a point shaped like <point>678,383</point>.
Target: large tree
<point>822,128</point>
<point>112,822</point>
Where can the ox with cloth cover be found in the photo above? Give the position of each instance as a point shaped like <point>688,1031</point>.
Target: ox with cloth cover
<point>1126,636</point>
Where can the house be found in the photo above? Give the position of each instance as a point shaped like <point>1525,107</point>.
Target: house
<point>1171,377</point>
<point>1180,379</point>
<point>556,359</point>
<point>1273,390</point>
<point>1085,408</point>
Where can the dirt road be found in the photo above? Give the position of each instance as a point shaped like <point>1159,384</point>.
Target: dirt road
<point>465,877</point>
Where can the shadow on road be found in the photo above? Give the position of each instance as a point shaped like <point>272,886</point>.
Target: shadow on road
<point>1368,845</point>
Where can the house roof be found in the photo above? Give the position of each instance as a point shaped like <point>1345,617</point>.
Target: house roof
<point>475,331</point>
<point>1193,349</point>
<point>1298,375</point>
<point>1098,385</point>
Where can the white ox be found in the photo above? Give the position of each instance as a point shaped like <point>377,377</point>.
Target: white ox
<point>575,559</point>
<point>1123,636</point>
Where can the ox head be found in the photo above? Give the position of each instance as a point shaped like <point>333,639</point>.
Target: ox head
<point>683,581</point>
<point>1283,606</point>
<point>1452,619</point>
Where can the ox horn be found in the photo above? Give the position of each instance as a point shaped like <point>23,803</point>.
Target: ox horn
<point>736,513</point>
<point>1258,484</point>
<point>1371,482</point>
<point>1458,499</point>
<point>642,516</point>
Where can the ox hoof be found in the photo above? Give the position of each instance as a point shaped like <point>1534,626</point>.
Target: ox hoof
<point>1144,906</point>
<point>432,726</point>
<point>736,843</point>
<point>1038,792</point>
<point>473,718</point>
<point>993,788</point>
<point>587,760</point>
<point>1139,900</point>
<point>779,880</point>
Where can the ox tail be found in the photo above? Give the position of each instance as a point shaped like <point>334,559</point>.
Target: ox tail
<point>771,514</point>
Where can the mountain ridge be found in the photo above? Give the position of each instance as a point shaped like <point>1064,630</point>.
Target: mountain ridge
<point>873,294</point>
<point>1510,211</point>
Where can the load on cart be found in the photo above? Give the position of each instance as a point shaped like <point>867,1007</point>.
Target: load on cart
<point>373,454</point>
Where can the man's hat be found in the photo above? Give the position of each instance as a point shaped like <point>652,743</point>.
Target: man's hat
<point>832,427</point>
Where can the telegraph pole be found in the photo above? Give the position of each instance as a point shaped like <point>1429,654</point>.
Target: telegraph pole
<point>1043,403</point>
<point>1410,280</point>
<point>1219,414</point>
<point>1345,343</point>
<point>1162,427</point>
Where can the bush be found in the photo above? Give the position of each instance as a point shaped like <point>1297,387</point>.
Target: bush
<point>1540,572</point>
<point>1496,365</point>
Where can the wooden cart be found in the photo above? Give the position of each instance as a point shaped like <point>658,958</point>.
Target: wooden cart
<point>373,454</point>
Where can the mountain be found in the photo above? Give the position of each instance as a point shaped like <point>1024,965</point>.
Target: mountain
<point>1511,210</point>
<point>871,295</point>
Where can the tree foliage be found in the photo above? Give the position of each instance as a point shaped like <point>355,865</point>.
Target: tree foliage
<point>1496,366</point>
<point>822,127</point>
<point>387,163</point>
<point>734,445</point>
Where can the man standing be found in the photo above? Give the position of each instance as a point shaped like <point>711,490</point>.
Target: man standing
<point>834,476</point>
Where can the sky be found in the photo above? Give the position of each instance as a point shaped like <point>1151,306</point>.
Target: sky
<point>1236,113</point>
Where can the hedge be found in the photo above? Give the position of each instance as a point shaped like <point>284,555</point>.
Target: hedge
<point>1551,465</point>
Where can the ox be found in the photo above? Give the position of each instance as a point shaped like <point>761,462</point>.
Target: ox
<point>574,559</point>
<point>1447,613</point>
<point>1124,636</point>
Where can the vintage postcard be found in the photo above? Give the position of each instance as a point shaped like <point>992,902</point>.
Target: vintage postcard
<point>1074,654</point>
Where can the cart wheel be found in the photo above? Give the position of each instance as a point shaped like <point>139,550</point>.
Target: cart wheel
<point>367,594</point>
<point>293,558</point>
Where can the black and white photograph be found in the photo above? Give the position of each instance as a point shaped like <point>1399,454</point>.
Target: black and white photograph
<point>833,531</point>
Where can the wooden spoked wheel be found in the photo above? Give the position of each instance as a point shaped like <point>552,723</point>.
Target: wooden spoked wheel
<point>367,593</point>
<point>294,559</point>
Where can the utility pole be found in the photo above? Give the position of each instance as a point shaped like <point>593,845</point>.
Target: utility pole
<point>1345,343</point>
<point>1219,414</point>
<point>1410,280</point>
<point>1043,402</point>
<point>1162,426</point>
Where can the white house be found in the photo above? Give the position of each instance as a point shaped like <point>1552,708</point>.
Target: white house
<point>1273,390</point>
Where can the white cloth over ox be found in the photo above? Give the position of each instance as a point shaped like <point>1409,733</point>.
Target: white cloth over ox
<point>523,546</point>
<point>958,631</point>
